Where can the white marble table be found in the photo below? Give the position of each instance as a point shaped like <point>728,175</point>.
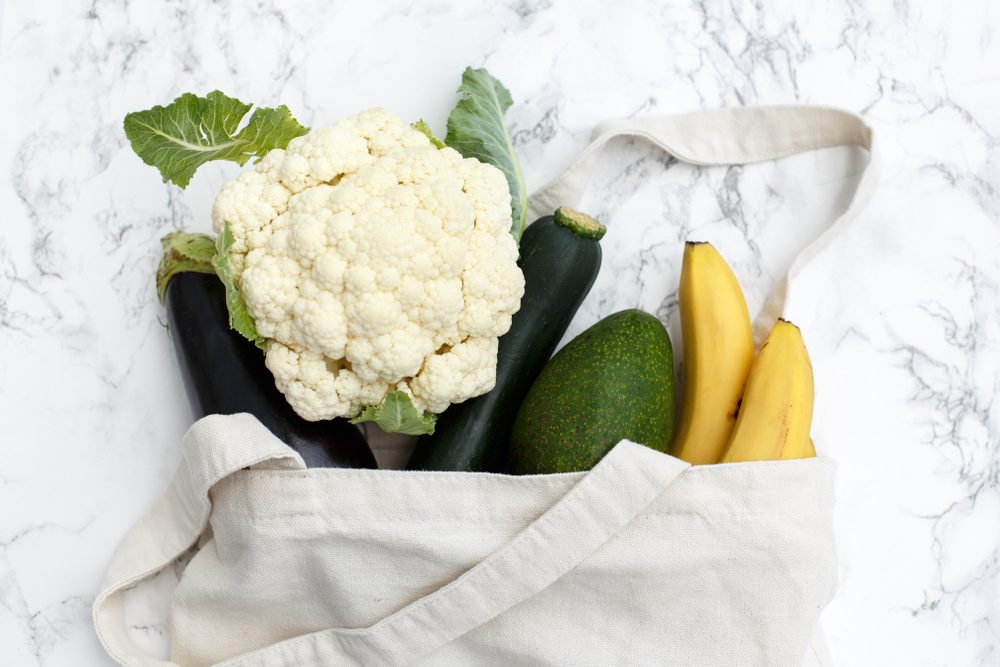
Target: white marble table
<point>902,314</point>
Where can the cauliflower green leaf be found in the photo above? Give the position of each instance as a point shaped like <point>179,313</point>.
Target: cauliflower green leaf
<point>422,126</point>
<point>192,130</point>
<point>397,414</point>
<point>203,253</point>
<point>239,316</point>
<point>183,251</point>
<point>476,129</point>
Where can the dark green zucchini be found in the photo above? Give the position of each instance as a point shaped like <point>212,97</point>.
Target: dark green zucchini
<point>560,258</point>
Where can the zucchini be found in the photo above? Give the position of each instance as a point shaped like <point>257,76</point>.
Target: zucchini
<point>560,259</point>
<point>225,374</point>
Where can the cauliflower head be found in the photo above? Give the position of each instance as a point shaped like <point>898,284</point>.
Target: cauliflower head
<point>374,262</point>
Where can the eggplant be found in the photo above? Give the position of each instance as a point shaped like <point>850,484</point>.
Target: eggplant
<point>225,374</point>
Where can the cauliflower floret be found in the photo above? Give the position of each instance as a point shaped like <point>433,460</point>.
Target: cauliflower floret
<point>314,385</point>
<point>250,203</point>
<point>374,262</point>
<point>468,369</point>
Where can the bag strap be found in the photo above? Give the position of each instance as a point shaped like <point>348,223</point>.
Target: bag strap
<point>215,447</point>
<point>718,137</point>
<point>726,137</point>
<point>604,501</point>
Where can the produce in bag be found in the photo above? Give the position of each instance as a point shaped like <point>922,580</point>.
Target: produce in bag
<point>614,381</point>
<point>719,359</point>
<point>374,264</point>
<point>776,412</point>
<point>224,374</point>
<point>718,351</point>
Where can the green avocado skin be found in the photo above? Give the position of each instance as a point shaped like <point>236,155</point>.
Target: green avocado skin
<point>614,381</point>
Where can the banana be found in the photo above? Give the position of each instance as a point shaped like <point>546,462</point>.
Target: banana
<point>777,406</point>
<point>718,351</point>
<point>804,451</point>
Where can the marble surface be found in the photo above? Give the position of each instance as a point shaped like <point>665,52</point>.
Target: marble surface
<point>901,312</point>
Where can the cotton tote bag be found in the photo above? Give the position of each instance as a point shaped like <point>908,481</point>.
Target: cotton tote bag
<point>642,560</point>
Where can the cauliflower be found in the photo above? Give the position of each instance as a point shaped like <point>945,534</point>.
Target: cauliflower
<point>374,262</point>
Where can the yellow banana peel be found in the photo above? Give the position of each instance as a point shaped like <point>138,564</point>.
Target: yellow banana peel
<point>718,352</point>
<point>776,412</point>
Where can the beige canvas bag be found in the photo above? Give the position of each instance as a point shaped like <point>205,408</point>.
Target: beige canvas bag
<point>641,561</point>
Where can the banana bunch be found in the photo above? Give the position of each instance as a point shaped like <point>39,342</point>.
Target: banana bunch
<point>737,407</point>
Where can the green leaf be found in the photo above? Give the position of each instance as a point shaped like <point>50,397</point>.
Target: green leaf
<point>239,317</point>
<point>192,130</point>
<point>476,129</point>
<point>398,415</point>
<point>183,251</point>
<point>423,127</point>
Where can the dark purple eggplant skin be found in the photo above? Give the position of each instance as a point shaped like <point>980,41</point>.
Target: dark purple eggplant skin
<point>225,374</point>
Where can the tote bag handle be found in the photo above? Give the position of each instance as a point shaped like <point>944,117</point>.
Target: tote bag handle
<point>729,137</point>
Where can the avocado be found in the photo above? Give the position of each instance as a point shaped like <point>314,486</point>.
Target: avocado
<point>614,381</point>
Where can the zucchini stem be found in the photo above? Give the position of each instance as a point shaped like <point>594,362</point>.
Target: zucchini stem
<point>579,223</point>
